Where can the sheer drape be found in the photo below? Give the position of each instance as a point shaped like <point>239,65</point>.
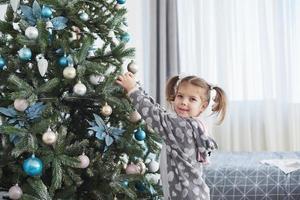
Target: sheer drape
<point>161,59</point>
<point>251,48</point>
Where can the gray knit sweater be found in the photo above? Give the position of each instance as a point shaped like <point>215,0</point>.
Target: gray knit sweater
<point>186,148</point>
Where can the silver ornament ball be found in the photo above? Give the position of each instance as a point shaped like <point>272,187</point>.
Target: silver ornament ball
<point>49,137</point>
<point>132,67</point>
<point>96,79</point>
<point>15,192</point>
<point>132,169</point>
<point>134,117</point>
<point>153,166</point>
<point>79,89</point>
<point>21,104</point>
<point>31,33</point>
<point>84,16</point>
<point>84,161</point>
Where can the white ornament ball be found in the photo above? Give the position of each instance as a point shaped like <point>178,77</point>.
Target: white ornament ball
<point>32,33</point>
<point>69,72</point>
<point>134,117</point>
<point>106,110</point>
<point>132,67</point>
<point>153,166</point>
<point>84,161</point>
<point>79,89</point>
<point>49,137</point>
<point>15,192</point>
<point>21,104</point>
<point>96,79</point>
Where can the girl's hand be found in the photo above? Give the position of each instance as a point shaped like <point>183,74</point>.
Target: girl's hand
<point>127,81</point>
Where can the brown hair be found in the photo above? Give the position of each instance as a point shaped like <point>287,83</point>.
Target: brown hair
<point>220,101</point>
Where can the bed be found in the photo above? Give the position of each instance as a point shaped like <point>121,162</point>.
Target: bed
<point>232,176</point>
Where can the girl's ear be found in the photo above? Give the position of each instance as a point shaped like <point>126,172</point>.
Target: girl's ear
<point>204,106</point>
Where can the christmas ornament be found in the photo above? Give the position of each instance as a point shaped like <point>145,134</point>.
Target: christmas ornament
<point>134,117</point>
<point>69,72</point>
<point>139,135</point>
<point>153,166</point>
<point>142,167</point>
<point>84,16</point>
<point>117,6</point>
<point>33,166</point>
<point>2,62</point>
<point>29,65</point>
<point>121,1</point>
<point>124,160</point>
<point>105,132</point>
<point>153,178</point>
<point>15,192</point>
<point>21,104</point>
<point>132,67</point>
<point>31,33</point>
<point>46,12</point>
<point>16,26</point>
<point>140,186</point>
<point>106,110</point>
<point>25,53</point>
<point>132,169</point>
<point>79,88</point>
<point>49,137</point>
<point>49,27</point>
<point>96,79</point>
<point>124,183</point>
<point>84,161</point>
<point>125,37</point>
<point>15,4</point>
<point>42,64</point>
<point>63,61</point>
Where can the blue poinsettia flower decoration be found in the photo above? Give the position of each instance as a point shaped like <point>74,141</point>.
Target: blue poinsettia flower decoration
<point>104,132</point>
<point>31,113</point>
<point>31,15</point>
<point>35,111</point>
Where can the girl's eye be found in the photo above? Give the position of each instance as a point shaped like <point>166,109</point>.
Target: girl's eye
<point>193,99</point>
<point>179,96</point>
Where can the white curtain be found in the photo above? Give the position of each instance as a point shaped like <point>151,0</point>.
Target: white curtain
<point>251,48</point>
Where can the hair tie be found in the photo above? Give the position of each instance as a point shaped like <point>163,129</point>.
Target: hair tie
<point>212,87</point>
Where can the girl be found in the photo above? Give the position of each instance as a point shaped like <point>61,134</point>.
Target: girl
<point>187,145</point>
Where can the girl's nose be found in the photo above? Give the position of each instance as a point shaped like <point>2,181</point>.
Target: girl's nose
<point>184,102</point>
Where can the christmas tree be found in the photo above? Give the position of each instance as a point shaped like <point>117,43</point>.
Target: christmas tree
<point>67,130</point>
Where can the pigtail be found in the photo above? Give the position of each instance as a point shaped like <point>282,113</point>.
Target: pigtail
<point>171,88</point>
<point>220,103</point>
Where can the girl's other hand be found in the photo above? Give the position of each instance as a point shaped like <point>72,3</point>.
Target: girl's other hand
<point>127,81</point>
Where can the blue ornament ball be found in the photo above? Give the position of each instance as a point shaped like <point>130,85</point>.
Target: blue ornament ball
<point>125,37</point>
<point>121,1</point>
<point>46,12</point>
<point>63,62</point>
<point>139,135</point>
<point>33,166</point>
<point>2,63</point>
<point>124,183</point>
<point>140,186</point>
<point>25,54</point>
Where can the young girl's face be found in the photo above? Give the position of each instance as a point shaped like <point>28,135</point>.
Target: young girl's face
<point>188,101</point>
